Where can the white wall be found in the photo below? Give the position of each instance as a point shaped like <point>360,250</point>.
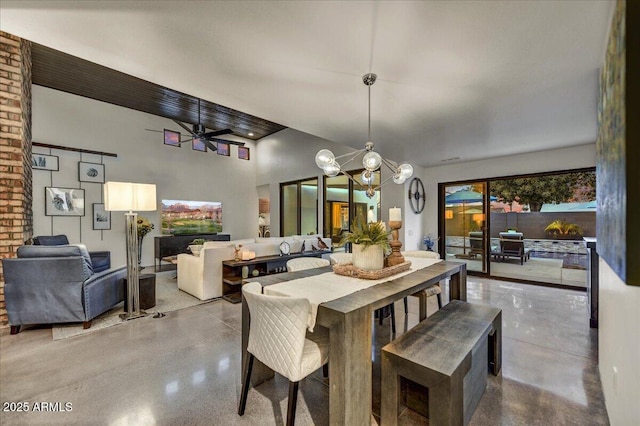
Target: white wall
<point>619,347</point>
<point>179,173</point>
<point>536,162</point>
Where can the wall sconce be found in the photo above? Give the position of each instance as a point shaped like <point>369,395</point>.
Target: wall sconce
<point>448,214</point>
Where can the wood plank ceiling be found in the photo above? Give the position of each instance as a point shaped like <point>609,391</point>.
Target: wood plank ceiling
<point>58,70</point>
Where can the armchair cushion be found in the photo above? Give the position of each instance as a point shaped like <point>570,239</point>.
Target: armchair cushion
<point>100,260</point>
<point>51,240</point>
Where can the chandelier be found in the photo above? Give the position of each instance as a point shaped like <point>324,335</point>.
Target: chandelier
<point>371,160</point>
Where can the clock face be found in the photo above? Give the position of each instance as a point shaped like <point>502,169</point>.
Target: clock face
<point>285,249</point>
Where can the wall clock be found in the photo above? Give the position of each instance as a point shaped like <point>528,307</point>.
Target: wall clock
<point>416,195</point>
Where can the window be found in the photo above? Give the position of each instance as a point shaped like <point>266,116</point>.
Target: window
<point>299,207</point>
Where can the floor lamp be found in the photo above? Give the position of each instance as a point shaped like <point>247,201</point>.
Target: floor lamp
<point>130,197</point>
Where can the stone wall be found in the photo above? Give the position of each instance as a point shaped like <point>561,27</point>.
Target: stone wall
<point>16,218</point>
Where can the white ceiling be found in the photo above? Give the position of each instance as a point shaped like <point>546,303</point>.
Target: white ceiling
<point>468,79</point>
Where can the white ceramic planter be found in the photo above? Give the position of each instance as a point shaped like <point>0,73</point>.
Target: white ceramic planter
<point>371,259</point>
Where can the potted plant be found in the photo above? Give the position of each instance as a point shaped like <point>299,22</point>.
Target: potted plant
<point>429,242</point>
<point>196,246</point>
<point>369,242</point>
<point>562,229</point>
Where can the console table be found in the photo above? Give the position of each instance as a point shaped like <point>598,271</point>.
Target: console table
<point>232,271</point>
<point>172,245</point>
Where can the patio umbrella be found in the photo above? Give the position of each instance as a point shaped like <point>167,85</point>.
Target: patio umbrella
<point>463,197</point>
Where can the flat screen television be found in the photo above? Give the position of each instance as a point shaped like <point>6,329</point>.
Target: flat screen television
<point>180,217</point>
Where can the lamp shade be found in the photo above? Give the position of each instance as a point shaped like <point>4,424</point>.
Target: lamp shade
<point>127,196</point>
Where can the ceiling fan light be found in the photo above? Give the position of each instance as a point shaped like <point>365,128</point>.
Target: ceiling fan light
<point>406,170</point>
<point>332,170</point>
<point>325,158</point>
<point>371,161</point>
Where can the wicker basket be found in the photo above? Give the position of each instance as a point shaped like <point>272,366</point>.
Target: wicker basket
<point>351,271</point>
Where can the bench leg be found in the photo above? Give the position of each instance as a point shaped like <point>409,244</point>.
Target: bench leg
<point>390,382</point>
<point>446,402</point>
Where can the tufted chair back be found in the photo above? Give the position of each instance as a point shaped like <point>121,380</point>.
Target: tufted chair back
<point>278,330</point>
<point>302,263</point>
<point>341,258</point>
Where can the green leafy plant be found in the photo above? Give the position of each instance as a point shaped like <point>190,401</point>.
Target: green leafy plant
<point>562,227</point>
<point>367,234</point>
<point>197,242</point>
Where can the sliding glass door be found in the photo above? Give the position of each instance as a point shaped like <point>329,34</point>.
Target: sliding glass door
<point>346,201</point>
<point>465,227</point>
<point>299,207</point>
<point>528,228</point>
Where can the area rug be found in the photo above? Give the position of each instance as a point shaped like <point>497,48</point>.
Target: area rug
<point>168,299</point>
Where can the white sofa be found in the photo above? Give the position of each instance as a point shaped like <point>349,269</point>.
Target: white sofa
<point>201,276</point>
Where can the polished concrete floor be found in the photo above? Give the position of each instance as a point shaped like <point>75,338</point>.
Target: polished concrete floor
<point>185,369</point>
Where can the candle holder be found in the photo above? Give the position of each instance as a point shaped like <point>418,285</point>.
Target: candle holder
<point>395,258</point>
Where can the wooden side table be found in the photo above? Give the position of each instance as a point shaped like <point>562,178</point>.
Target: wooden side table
<point>147,291</point>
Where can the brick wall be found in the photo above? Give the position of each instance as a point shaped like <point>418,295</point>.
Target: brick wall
<point>16,218</point>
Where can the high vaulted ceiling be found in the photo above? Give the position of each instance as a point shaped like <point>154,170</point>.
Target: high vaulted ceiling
<point>456,80</point>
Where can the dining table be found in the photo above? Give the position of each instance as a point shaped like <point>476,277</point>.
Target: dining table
<point>349,321</point>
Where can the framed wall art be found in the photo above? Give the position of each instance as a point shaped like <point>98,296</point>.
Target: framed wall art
<point>197,144</point>
<point>172,138</point>
<point>101,217</point>
<point>223,149</point>
<point>243,153</point>
<point>90,172</point>
<point>45,162</point>
<point>64,201</point>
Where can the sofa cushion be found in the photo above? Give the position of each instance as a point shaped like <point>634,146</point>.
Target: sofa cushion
<point>209,244</point>
<point>59,251</point>
<point>243,241</point>
<point>263,249</point>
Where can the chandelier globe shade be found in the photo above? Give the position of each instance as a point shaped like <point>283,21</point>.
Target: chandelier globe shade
<point>371,160</point>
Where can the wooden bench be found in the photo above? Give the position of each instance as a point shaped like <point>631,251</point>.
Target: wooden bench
<point>448,354</point>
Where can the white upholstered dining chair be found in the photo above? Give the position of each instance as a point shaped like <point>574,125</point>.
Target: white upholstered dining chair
<point>278,338</point>
<point>302,263</point>
<point>340,258</point>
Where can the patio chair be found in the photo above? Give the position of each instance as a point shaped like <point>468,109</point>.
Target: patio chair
<point>514,248</point>
<point>476,243</point>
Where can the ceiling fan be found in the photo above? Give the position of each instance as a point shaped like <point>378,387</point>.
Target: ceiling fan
<point>199,131</point>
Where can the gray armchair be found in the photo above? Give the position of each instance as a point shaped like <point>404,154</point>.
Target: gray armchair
<point>57,284</point>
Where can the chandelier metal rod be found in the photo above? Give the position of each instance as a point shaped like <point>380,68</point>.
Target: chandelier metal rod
<point>369,132</point>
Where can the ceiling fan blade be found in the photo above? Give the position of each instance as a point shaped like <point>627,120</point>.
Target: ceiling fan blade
<point>209,145</point>
<point>185,127</point>
<point>217,133</point>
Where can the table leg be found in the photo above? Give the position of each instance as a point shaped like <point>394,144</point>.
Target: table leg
<point>350,369</point>
<point>458,285</point>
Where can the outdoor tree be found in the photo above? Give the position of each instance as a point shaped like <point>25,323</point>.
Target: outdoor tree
<point>535,191</point>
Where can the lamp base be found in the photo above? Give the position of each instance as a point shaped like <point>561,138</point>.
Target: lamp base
<point>132,315</point>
